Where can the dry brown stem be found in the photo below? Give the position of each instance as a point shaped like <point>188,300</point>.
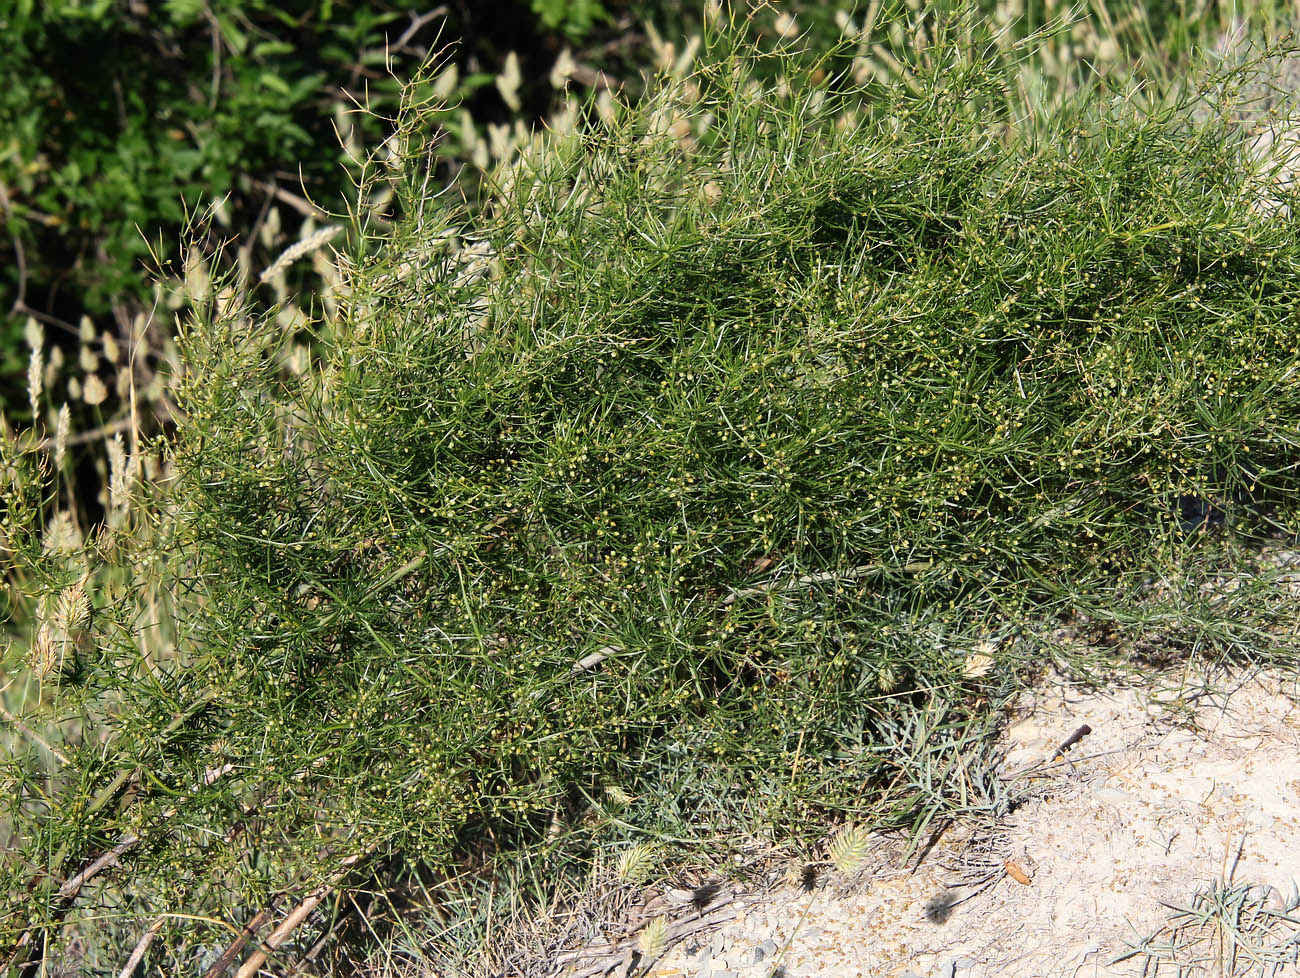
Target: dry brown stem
<point>133,961</point>
<point>296,916</point>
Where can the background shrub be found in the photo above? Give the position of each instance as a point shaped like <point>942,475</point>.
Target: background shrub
<point>122,120</point>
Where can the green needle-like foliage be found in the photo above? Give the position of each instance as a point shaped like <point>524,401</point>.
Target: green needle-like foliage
<point>695,451</point>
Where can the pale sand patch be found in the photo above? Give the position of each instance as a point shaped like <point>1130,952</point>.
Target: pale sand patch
<point>1152,806</point>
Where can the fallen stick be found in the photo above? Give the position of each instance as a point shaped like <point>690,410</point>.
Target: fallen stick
<point>605,957</point>
<point>1070,741</point>
<point>296,916</point>
<point>246,933</point>
<point>133,961</point>
<point>73,885</point>
<point>826,577</point>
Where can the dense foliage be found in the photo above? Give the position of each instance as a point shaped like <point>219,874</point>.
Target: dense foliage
<point>685,487</point>
<point>122,119</point>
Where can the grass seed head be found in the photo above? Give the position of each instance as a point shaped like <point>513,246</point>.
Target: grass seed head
<point>61,535</point>
<point>617,797</point>
<point>73,609</point>
<point>850,848</point>
<point>35,380</point>
<point>653,938</point>
<point>93,391</point>
<point>637,863</point>
<point>51,656</point>
<point>61,435</point>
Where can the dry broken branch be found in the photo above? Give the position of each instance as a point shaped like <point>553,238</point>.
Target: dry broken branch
<point>599,959</point>
<point>296,916</point>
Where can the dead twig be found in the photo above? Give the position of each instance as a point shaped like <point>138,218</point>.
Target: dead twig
<point>303,206</point>
<point>593,660</point>
<point>31,734</point>
<point>104,432</point>
<point>20,256</point>
<point>28,952</point>
<point>133,961</point>
<point>852,574</point>
<point>314,951</point>
<point>601,958</point>
<point>296,916</point>
<point>246,933</point>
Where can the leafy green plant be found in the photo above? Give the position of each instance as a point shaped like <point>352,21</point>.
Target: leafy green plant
<point>691,463</point>
<point>574,17</point>
<point>120,123</point>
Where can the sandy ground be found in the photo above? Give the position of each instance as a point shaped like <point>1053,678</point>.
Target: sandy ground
<point>1162,805</point>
